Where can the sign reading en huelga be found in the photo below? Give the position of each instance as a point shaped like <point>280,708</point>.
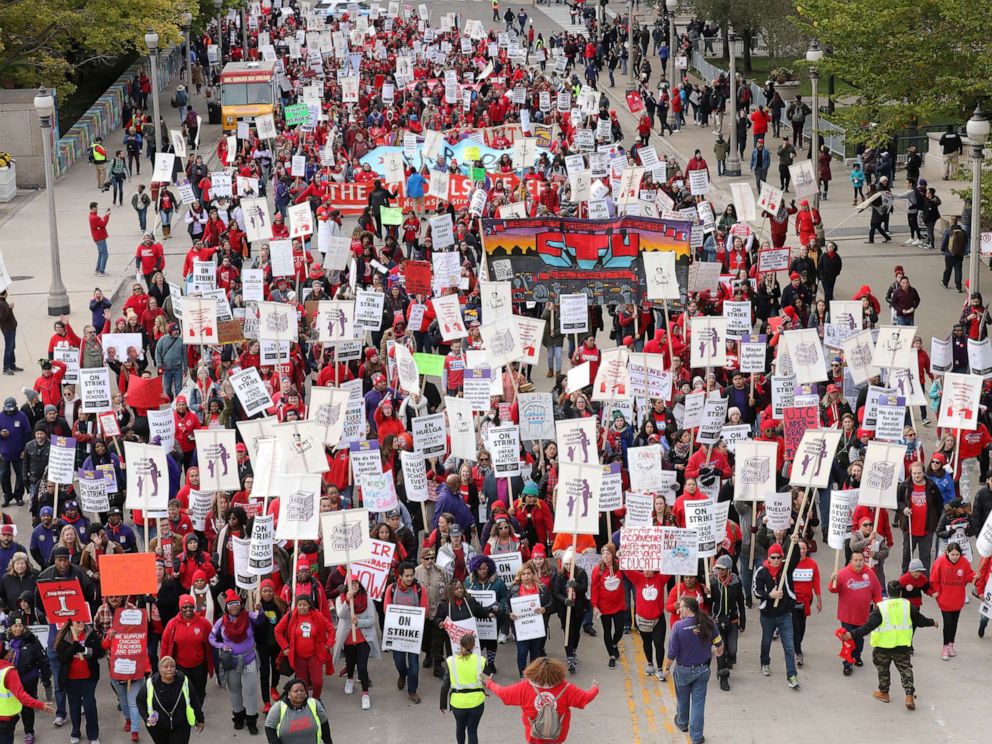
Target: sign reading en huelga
<point>548,256</point>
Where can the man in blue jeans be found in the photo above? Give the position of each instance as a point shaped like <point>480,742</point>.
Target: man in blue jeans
<point>691,645</point>
<point>8,325</point>
<point>769,589</point>
<point>406,592</point>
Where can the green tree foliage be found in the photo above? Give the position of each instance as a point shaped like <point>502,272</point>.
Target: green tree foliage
<point>43,41</point>
<point>912,61</point>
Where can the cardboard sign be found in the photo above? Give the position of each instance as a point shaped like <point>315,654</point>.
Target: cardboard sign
<point>640,548</point>
<point>129,646</point>
<point>814,457</point>
<point>374,572</point>
<point>679,551</point>
<point>345,536</point>
<point>842,505</point>
<point>528,623</point>
<point>123,574</point>
<point>881,474</point>
<point>577,502</point>
<point>64,601</point>
<point>403,630</point>
<point>251,392</point>
<point>795,422</point>
<point>503,443</point>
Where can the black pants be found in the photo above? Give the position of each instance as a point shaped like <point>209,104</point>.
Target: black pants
<point>268,669</point>
<point>955,264</point>
<point>729,632</point>
<point>880,227</point>
<point>612,632</point>
<point>784,176</point>
<point>654,642</point>
<point>467,724</point>
<point>357,655</point>
<point>574,630</point>
<point>197,677</point>
<point>950,625</point>
<point>798,627</point>
<point>134,163</point>
<point>27,714</point>
<point>7,729</point>
<point>162,735</point>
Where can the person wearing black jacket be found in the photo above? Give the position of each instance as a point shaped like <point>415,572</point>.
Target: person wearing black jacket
<point>767,580</point>
<point>829,266</point>
<point>19,578</point>
<point>571,592</point>
<point>726,594</point>
<point>79,650</point>
<point>23,649</point>
<point>379,197</point>
<point>166,706</point>
<point>982,506</point>
<point>915,494</point>
<point>459,605</point>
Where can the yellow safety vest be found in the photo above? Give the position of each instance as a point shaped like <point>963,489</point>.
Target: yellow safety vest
<point>465,673</point>
<point>9,705</point>
<point>312,704</point>
<point>98,157</point>
<point>190,714</point>
<point>897,626</point>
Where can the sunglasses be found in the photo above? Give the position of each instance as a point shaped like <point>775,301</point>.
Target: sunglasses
<point>774,557</point>
<point>866,524</point>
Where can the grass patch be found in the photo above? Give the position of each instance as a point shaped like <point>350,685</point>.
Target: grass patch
<point>760,67</point>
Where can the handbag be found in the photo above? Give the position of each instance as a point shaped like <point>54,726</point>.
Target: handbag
<point>285,669</point>
<point>644,625</point>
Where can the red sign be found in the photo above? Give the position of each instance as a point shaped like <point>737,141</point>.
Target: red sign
<point>634,102</point>
<point>64,601</point>
<point>128,574</point>
<point>129,644</point>
<point>418,277</point>
<point>795,421</point>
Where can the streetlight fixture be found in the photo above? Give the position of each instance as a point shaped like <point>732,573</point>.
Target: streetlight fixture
<point>151,41</point>
<point>813,55</point>
<point>671,6</point>
<point>978,133</point>
<point>58,298</point>
<point>187,21</point>
<point>733,169</point>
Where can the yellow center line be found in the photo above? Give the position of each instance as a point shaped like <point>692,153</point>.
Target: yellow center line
<point>641,662</point>
<point>629,693</point>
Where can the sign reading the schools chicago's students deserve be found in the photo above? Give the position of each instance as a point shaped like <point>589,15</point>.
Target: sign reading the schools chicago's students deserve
<point>64,601</point>
<point>403,630</point>
<point>129,644</point>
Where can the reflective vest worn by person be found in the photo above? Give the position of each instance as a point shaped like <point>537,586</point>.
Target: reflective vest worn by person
<point>190,714</point>
<point>10,706</point>
<point>897,626</point>
<point>312,705</point>
<point>466,681</point>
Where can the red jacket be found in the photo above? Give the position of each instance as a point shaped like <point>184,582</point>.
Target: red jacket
<point>323,634</point>
<point>50,388</point>
<point>649,594</point>
<point>541,517</point>
<point>527,697</point>
<point>607,591</point>
<point>187,641</point>
<point>13,684</point>
<point>948,580</point>
<point>185,426</point>
<point>855,594</point>
<point>98,226</point>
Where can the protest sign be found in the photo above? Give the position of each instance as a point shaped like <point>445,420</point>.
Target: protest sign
<point>573,313</point>
<point>403,630</point>
<point>260,549</point>
<point>124,574</point>
<point>147,477</point>
<point>129,644</point>
<point>94,389</point>
<point>700,516</point>
<point>62,460</point>
<point>639,505</point>
<point>814,456</point>
<point>842,505</point>
<point>298,514</point>
<point>959,401</point>
<point>640,548</point>
<point>215,456</point>
<point>755,467</point>
<point>64,601</point>
<point>374,572</point>
<point>778,510</point>
<point>251,392</point>
<point>300,447</point>
<point>345,536</point>
<point>881,474</point>
<point>644,466</point>
<point>503,443</point>
<point>577,501</point>
<point>527,623</point>
<point>243,576</point>
<point>429,435</point>
<point>679,551</point>
<point>795,421</point>
<point>611,487</point>
<point>92,491</point>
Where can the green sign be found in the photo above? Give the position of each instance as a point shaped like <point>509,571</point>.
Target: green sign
<point>429,364</point>
<point>391,215</point>
<point>478,174</point>
<point>296,114</point>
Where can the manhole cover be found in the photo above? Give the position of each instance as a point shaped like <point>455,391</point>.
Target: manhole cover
<point>20,278</point>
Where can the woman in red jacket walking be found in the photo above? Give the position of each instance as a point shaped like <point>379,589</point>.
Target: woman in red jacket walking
<point>608,601</point>
<point>307,637</point>
<point>948,577</point>
<point>544,684</point>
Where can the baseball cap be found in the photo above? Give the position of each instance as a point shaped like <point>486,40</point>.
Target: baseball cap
<point>9,404</point>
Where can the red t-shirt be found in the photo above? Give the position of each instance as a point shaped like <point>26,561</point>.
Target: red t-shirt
<point>918,504</point>
<point>79,668</point>
<point>855,593</point>
<point>304,645</point>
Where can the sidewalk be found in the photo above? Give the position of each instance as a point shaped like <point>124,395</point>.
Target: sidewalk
<point>24,241</point>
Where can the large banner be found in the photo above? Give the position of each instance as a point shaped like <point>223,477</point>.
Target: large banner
<point>548,257</point>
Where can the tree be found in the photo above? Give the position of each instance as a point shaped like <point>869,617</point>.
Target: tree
<point>42,41</point>
<point>912,61</point>
<point>749,17</point>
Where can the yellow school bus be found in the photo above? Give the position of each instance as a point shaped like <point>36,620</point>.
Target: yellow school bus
<point>247,90</point>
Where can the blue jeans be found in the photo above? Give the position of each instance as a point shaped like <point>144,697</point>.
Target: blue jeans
<point>9,339</point>
<point>82,699</point>
<point>129,702</point>
<point>904,320</point>
<point>690,696</point>
<point>53,662</point>
<point>531,649</point>
<point>408,665</point>
<point>859,643</point>
<point>554,358</point>
<point>101,255</point>
<point>783,622</point>
<point>172,382</point>
<point>143,219</point>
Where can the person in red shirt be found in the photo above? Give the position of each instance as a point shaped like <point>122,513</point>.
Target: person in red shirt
<point>919,505</point>
<point>544,684</point>
<point>689,585</point>
<point>149,258</point>
<point>608,601</point>
<point>856,588</point>
<point>588,352</point>
<point>227,274</point>
<point>185,639</point>
<point>137,302</point>
<point>649,611</point>
<point>690,492</point>
<point>915,582</point>
<point>950,574</point>
<point>454,369</point>
<point>186,423</point>
<point>806,580</point>
<point>306,636</point>
<point>98,231</point>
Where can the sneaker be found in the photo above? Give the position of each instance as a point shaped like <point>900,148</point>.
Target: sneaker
<point>793,682</point>
<point>502,637</point>
<point>134,734</point>
<point>127,725</point>
<point>725,684</point>
<point>613,662</point>
<point>73,740</point>
<point>951,651</point>
<point>366,702</point>
<point>660,674</point>
<point>59,721</point>
<point>349,686</point>
<point>911,241</point>
<point>571,664</point>
<point>766,670</point>
<point>848,670</point>
<point>858,663</point>
<point>28,738</point>
<point>945,653</point>
<point>799,658</point>
<point>650,670</point>
<point>274,695</point>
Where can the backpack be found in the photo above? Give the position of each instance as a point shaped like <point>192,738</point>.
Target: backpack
<point>546,725</point>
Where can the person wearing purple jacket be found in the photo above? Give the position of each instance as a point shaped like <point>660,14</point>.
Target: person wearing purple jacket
<point>15,433</point>
<point>234,638</point>
<point>449,500</point>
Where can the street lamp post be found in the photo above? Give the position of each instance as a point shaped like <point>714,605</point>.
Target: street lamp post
<point>813,55</point>
<point>630,45</point>
<point>978,133</point>
<point>218,4</point>
<point>733,169</point>
<point>58,298</point>
<point>151,41</point>
<point>244,32</point>
<point>671,6</point>
<point>187,20</point>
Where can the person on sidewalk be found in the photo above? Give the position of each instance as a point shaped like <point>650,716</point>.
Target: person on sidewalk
<point>8,326</point>
<point>761,161</point>
<point>786,157</point>
<point>98,156</point>
<point>891,624</point>
<point>98,231</point>
<point>954,245</point>
<point>951,148</point>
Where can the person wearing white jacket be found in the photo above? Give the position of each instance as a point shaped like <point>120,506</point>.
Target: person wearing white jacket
<point>357,638</point>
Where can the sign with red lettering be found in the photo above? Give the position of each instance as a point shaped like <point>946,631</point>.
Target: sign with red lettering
<point>128,644</point>
<point>64,601</point>
<point>796,421</point>
<point>374,572</point>
<point>634,102</point>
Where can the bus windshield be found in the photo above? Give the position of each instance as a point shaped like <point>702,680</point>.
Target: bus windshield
<point>245,94</point>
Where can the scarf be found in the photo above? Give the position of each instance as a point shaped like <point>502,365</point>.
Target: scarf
<point>682,450</point>
<point>236,628</point>
<point>361,602</point>
<point>772,570</point>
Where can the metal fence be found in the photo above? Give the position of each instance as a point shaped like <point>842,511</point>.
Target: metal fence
<point>833,136</point>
